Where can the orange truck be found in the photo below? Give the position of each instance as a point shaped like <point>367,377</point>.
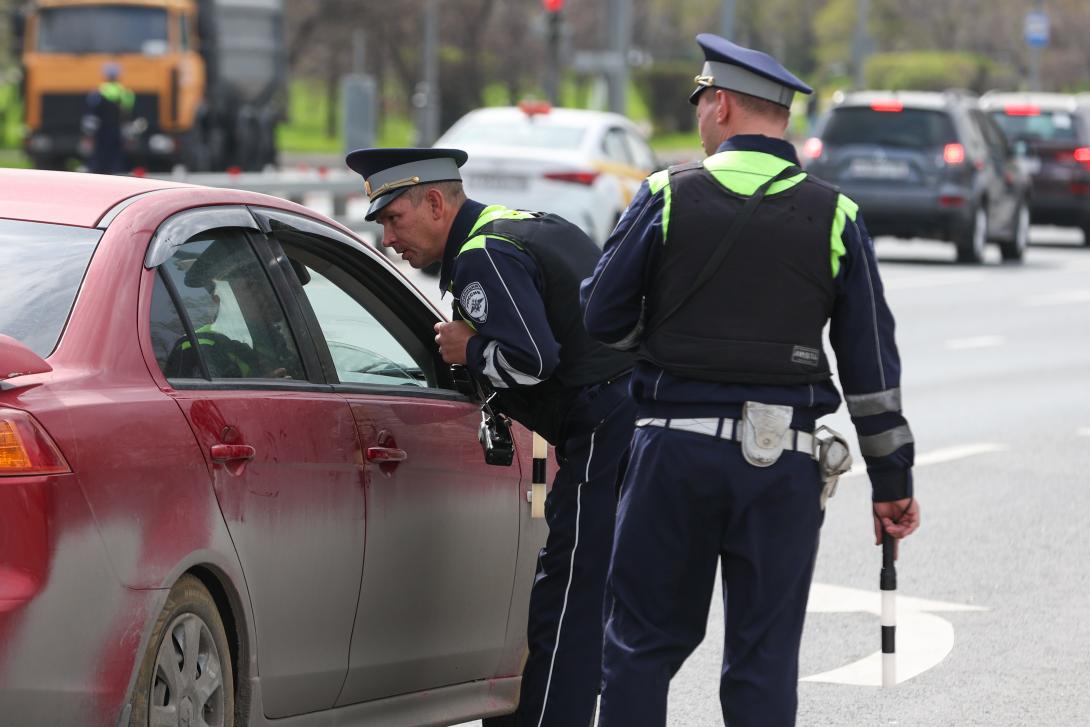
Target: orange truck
<point>209,78</point>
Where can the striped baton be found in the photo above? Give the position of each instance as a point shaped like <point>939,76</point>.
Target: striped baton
<point>537,482</point>
<point>888,584</point>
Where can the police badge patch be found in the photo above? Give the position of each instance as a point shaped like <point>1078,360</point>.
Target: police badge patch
<point>474,303</point>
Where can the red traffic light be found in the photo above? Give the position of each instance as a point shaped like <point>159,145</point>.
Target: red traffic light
<point>553,6</point>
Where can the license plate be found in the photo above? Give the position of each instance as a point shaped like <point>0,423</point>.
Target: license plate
<point>497,181</point>
<point>879,169</point>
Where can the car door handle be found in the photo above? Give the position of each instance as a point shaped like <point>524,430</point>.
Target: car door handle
<point>386,454</point>
<point>224,453</point>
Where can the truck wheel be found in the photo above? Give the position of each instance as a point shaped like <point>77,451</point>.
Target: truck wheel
<point>1014,250</point>
<point>186,676</point>
<point>970,243</point>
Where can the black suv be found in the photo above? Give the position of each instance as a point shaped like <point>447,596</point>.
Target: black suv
<point>1053,132</point>
<point>925,164</point>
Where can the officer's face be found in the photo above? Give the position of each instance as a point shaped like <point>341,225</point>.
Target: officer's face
<point>411,231</point>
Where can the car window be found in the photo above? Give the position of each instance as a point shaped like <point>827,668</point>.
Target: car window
<point>240,328</point>
<point>641,154</point>
<point>993,136</point>
<point>1032,124</point>
<point>615,148</point>
<point>41,268</point>
<point>908,128</point>
<point>364,351</point>
<point>531,132</point>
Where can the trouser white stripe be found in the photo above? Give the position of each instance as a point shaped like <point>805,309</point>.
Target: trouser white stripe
<point>571,574</point>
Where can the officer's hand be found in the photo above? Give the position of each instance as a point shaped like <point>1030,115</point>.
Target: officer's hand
<point>452,339</point>
<point>899,518</point>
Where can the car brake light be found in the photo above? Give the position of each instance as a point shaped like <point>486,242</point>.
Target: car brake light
<point>813,148</point>
<point>26,448</point>
<point>1021,110</point>
<point>951,200</point>
<point>1082,155</point>
<point>585,178</point>
<point>535,108</point>
<point>888,106</point>
<point>953,154</point>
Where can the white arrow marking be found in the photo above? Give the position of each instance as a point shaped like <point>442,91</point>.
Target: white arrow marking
<point>925,640</point>
<point>947,454</point>
<point>961,344</point>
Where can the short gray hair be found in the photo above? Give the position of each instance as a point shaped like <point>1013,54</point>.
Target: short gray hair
<point>452,191</point>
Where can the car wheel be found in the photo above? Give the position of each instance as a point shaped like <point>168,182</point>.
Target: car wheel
<point>1014,250</point>
<point>185,676</point>
<point>970,244</point>
<point>1086,235</point>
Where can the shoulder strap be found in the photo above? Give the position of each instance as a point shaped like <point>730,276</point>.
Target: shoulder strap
<point>737,224</point>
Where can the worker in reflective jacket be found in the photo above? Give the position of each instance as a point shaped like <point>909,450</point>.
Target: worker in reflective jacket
<point>108,108</point>
<point>721,275</point>
<point>515,280</point>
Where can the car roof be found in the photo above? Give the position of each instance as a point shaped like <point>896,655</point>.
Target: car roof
<point>68,198</point>
<point>935,100</point>
<point>1048,101</point>
<point>579,117</point>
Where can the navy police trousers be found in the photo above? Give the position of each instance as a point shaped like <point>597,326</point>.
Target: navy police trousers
<point>562,677</point>
<point>688,501</point>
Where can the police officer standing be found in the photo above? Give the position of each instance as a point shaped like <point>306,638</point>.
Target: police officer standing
<point>515,280</point>
<point>108,107</point>
<point>722,274</point>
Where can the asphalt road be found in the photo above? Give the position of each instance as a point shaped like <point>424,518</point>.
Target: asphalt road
<point>994,622</point>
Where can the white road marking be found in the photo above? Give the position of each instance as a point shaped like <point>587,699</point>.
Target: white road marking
<point>924,639</point>
<point>961,344</point>
<point>914,282</point>
<point>947,454</point>
<point>1059,297</point>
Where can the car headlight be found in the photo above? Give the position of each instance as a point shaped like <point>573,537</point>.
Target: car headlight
<point>161,144</point>
<point>39,143</point>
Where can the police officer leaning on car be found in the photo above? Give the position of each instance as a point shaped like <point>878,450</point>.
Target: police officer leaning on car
<point>722,275</point>
<point>515,278</point>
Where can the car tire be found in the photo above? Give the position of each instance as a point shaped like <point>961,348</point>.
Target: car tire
<point>1014,250</point>
<point>186,671</point>
<point>970,244</point>
<point>1086,235</point>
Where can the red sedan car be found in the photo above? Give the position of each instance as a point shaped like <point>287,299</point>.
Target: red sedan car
<point>238,486</point>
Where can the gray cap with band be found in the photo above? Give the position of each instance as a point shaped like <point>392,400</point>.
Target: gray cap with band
<point>388,173</point>
<point>730,66</point>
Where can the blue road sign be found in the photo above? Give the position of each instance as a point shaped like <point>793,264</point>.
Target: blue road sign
<point>1036,29</point>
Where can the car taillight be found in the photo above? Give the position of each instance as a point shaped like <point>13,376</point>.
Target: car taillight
<point>813,148</point>
<point>953,154</point>
<point>888,106</point>
<point>585,178</point>
<point>1082,156</point>
<point>1021,110</point>
<point>26,448</point>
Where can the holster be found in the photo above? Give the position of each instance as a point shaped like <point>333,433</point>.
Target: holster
<point>834,458</point>
<point>764,432</point>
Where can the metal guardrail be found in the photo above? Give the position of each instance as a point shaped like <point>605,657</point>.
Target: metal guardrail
<point>334,193</point>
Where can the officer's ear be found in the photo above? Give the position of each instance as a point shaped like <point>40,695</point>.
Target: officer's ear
<point>724,106</point>
<point>436,203</point>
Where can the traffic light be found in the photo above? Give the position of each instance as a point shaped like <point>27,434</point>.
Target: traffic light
<point>553,6</point>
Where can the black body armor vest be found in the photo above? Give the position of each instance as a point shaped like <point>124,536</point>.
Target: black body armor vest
<point>759,319</point>
<point>564,256</point>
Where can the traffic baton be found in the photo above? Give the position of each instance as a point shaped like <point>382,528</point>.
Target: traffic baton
<point>888,584</point>
<point>537,481</point>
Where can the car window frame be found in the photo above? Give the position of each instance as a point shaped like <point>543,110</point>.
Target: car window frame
<point>178,229</point>
<point>619,132</point>
<point>362,263</point>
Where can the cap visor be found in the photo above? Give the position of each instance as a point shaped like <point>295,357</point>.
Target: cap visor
<point>381,202</point>
<point>695,95</point>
